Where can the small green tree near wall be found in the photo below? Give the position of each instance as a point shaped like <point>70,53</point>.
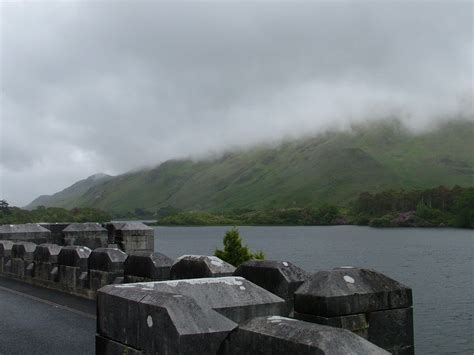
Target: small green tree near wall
<point>234,252</point>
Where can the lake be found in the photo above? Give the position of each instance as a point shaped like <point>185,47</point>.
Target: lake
<point>436,263</point>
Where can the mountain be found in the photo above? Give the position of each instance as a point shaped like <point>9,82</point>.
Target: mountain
<point>69,194</point>
<point>333,167</point>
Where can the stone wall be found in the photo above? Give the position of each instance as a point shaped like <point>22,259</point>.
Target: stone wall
<point>148,303</point>
<point>127,236</point>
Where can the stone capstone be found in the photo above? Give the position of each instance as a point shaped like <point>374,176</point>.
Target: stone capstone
<point>200,266</point>
<point>280,335</point>
<point>74,256</point>
<point>23,250</point>
<point>158,322</point>
<point>364,301</point>
<point>279,277</point>
<point>147,266</point>
<point>92,235</point>
<point>5,248</point>
<point>234,297</point>
<point>47,253</point>
<point>344,291</point>
<point>107,259</point>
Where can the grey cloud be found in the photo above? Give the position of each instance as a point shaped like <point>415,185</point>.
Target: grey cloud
<point>110,86</point>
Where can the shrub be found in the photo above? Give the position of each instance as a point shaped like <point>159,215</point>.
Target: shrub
<point>234,252</point>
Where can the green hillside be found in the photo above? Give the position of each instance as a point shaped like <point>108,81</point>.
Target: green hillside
<point>69,194</point>
<point>330,168</point>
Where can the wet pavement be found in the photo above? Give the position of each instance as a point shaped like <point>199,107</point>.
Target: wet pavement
<point>34,320</point>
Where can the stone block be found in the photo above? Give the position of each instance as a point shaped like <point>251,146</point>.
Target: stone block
<point>158,322</point>
<point>356,323</point>
<point>279,335</point>
<point>105,346</point>
<point>98,279</point>
<point>54,274</point>
<point>30,270</point>
<point>107,259</point>
<point>147,266</point>
<point>83,281</point>
<point>18,267</point>
<point>279,277</point>
<point>200,266</point>
<point>345,291</point>
<point>74,256</point>
<point>131,236</point>
<point>362,300</point>
<point>69,276</point>
<point>43,270</point>
<point>23,250</point>
<point>392,330</point>
<point>47,253</point>
<point>5,248</point>
<point>5,253</point>
<point>29,232</point>
<point>91,235</point>
<point>234,297</point>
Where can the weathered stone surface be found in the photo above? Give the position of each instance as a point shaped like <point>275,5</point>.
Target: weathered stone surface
<point>131,236</point>
<point>23,250</point>
<point>30,270</point>
<point>69,276</point>
<point>18,267</point>
<point>356,323</point>
<point>158,322</point>
<point>234,297</point>
<point>30,232</point>
<point>5,253</point>
<point>92,235</point>
<point>392,330</point>
<point>147,266</point>
<point>364,301</point>
<point>344,291</point>
<point>107,259</point>
<point>5,248</point>
<point>47,253</point>
<point>197,266</point>
<point>56,229</point>
<point>105,346</point>
<point>279,277</point>
<point>279,335</point>
<point>74,256</point>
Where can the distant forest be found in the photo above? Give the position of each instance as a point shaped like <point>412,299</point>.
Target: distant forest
<point>15,215</point>
<point>437,207</point>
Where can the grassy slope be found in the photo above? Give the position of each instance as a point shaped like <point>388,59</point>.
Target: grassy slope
<point>334,168</point>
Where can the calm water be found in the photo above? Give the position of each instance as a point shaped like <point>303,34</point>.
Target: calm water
<point>436,263</point>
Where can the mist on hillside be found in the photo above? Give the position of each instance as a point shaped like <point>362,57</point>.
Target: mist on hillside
<point>110,87</point>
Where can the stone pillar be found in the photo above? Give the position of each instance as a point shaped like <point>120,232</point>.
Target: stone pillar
<point>46,259</point>
<point>5,254</point>
<point>364,301</point>
<point>147,266</point>
<point>131,236</point>
<point>105,265</point>
<point>72,263</point>
<point>199,266</point>
<point>21,258</point>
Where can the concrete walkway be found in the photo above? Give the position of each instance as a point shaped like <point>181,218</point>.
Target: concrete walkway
<point>35,320</point>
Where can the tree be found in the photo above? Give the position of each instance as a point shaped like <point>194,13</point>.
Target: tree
<point>4,207</point>
<point>234,252</point>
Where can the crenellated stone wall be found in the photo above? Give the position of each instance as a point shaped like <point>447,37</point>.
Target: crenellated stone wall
<point>127,236</point>
<point>148,303</point>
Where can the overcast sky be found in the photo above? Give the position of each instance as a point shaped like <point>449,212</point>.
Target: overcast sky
<point>106,86</point>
